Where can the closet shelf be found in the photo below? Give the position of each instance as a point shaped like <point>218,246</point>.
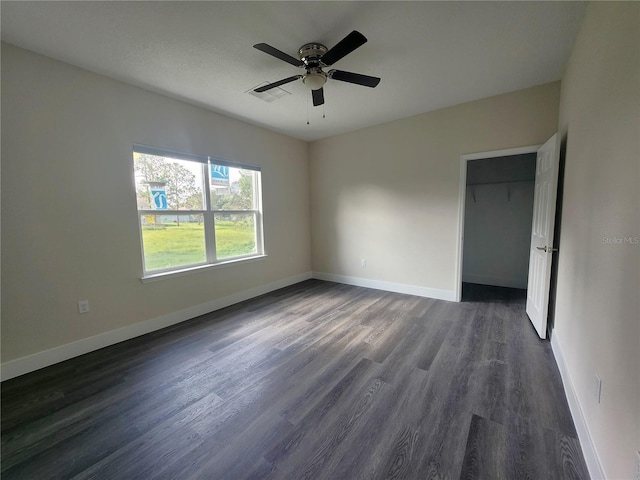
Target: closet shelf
<point>498,183</point>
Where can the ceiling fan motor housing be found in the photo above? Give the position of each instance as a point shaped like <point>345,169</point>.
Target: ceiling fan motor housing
<point>310,54</point>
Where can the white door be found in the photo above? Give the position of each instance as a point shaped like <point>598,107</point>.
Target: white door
<point>541,250</point>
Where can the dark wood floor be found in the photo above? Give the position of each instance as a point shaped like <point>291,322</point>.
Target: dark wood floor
<point>315,381</point>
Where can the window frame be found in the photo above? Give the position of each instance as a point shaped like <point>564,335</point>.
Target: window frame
<point>208,215</point>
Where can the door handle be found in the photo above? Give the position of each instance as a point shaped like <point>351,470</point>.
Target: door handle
<point>547,249</point>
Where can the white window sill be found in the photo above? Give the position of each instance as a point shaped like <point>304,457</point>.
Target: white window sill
<point>154,277</point>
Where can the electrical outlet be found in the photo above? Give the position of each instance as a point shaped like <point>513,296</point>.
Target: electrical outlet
<point>83,306</point>
<point>363,262</point>
<point>597,389</point>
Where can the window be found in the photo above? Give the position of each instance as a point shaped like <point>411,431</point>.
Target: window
<point>194,210</point>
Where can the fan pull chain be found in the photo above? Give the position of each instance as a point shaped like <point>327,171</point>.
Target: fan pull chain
<point>307,109</point>
<point>323,111</point>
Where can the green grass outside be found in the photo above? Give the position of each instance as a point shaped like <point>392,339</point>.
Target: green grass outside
<point>174,246</point>
<point>234,238</point>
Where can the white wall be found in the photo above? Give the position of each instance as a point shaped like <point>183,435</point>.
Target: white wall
<point>390,193</point>
<point>497,234</point>
<point>597,315</point>
<point>69,221</point>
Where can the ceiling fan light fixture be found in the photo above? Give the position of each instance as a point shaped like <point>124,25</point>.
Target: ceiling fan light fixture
<point>315,80</point>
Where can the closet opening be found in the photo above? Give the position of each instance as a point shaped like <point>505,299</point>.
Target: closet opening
<point>497,210</point>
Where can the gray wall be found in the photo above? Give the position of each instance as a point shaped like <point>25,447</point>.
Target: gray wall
<point>69,218</point>
<point>597,315</point>
<point>391,193</point>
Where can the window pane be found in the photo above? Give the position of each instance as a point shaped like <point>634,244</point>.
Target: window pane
<point>235,234</point>
<point>231,188</point>
<point>172,240</point>
<point>165,183</point>
<point>178,195</point>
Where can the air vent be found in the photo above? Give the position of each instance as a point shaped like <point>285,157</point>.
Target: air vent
<point>270,95</point>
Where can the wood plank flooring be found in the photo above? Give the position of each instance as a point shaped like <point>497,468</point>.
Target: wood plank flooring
<point>314,381</point>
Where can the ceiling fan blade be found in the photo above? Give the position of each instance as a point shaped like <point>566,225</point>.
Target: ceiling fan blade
<point>344,47</point>
<point>263,47</point>
<point>264,88</point>
<point>357,78</point>
<point>318,97</point>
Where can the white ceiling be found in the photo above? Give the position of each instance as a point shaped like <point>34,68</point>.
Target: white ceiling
<point>429,55</point>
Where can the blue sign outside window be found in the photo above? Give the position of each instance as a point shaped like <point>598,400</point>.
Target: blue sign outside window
<point>159,199</point>
<point>219,174</point>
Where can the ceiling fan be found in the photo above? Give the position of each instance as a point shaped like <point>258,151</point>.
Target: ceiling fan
<point>313,57</point>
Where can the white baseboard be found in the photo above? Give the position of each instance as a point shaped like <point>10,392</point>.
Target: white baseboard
<point>388,286</point>
<point>498,282</point>
<point>584,435</point>
<point>55,355</point>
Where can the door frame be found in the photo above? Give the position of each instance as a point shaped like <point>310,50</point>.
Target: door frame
<point>462,193</point>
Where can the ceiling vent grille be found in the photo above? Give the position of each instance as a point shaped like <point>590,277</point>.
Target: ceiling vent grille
<point>270,95</point>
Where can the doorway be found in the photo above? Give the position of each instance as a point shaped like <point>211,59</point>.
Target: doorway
<point>495,216</point>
